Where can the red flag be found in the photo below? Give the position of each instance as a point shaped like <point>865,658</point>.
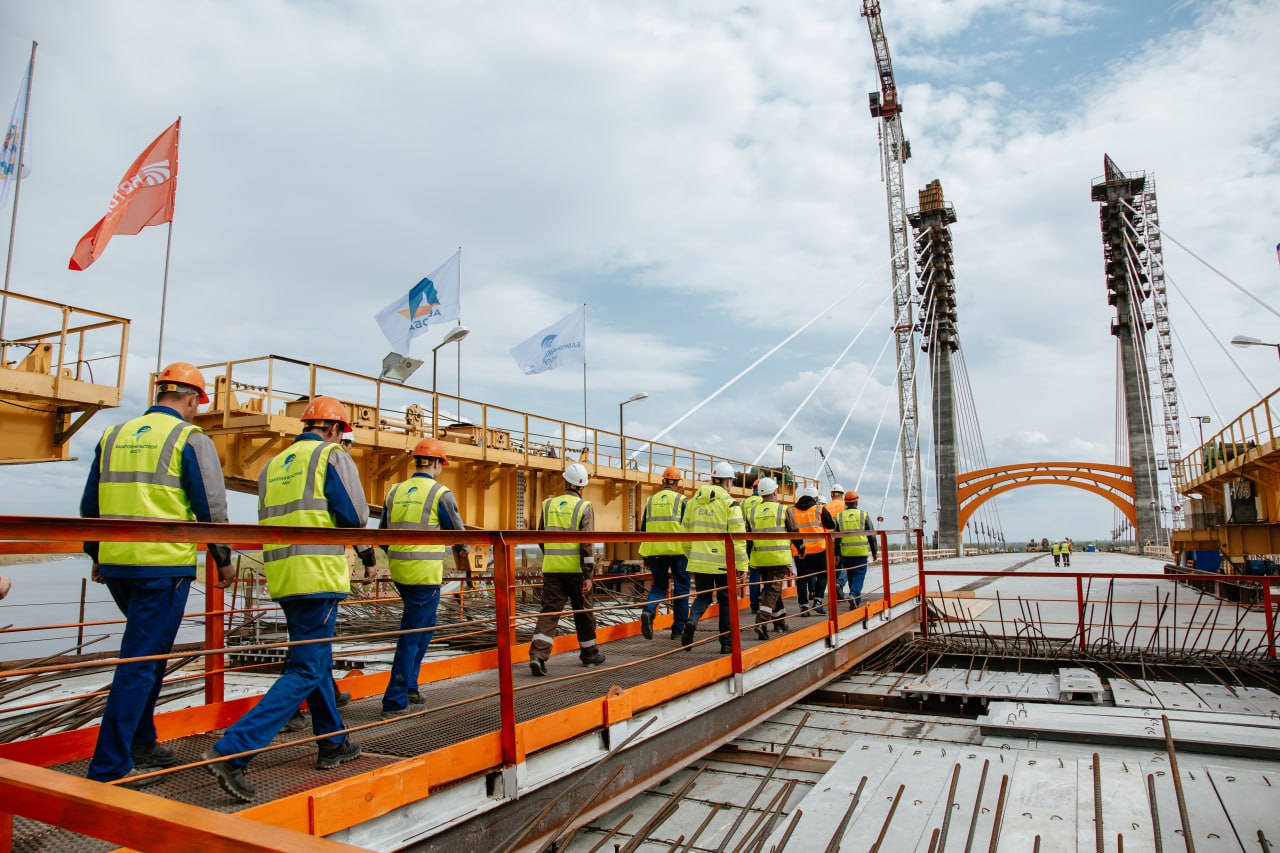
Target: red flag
<point>143,197</point>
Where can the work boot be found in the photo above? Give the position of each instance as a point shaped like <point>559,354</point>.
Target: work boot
<point>135,784</point>
<point>396,713</point>
<point>726,648</point>
<point>818,608</point>
<point>762,631</point>
<point>154,755</point>
<point>686,636</point>
<point>230,779</point>
<point>298,722</point>
<point>593,660</point>
<point>780,627</point>
<point>537,667</point>
<point>333,754</point>
<point>676,632</point>
<point>341,698</point>
<point>415,698</point>
<point>646,624</point>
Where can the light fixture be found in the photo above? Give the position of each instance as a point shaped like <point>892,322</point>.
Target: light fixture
<point>398,368</point>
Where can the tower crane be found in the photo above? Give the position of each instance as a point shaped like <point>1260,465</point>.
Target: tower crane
<point>894,152</point>
<point>826,466</point>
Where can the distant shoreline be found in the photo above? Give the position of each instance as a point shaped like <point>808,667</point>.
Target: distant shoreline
<point>20,559</point>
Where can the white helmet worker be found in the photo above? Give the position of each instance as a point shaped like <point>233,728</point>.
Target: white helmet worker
<point>836,487</point>
<point>767,486</point>
<point>722,471</point>
<point>576,475</point>
<point>807,492</point>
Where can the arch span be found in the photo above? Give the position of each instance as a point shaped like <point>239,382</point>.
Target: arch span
<point>1113,482</point>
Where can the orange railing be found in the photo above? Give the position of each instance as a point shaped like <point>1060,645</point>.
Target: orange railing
<point>1236,443</point>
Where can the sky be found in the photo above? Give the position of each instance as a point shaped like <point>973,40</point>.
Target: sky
<point>703,175</point>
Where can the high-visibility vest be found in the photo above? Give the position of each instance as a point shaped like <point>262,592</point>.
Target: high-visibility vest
<point>140,478</point>
<point>834,507</point>
<point>662,515</point>
<point>291,493</point>
<point>769,517</point>
<point>750,504</point>
<point>1057,548</point>
<point>712,510</point>
<point>562,513</point>
<point>809,521</point>
<point>415,505</point>
<point>853,546</point>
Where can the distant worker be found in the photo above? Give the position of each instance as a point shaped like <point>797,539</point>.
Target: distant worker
<point>157,467</point>
<point>713,510</point>
<point>348,439</point>
<point>855,549</point>
<point>1056,548</point>
<point>421,502</point>
<point>311,483</point>
<point>566,573</point>
<point>5,586</point>
<point>1066,552</point>
<point>771,558</point>
<point>834,507</point>
<point>666,561</point>
<point>809,517</point>
<point>753,574</point>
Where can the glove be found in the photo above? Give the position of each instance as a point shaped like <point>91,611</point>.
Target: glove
<point>368,558</point>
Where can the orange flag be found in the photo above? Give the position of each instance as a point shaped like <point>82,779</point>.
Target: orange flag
<point>143,197</point>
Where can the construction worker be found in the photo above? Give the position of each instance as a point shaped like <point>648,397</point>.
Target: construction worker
<point>713,510</point>
<point>809,517</point>
<point>1066,552</point>
<point>566,573</point>
<point>348,439</point>
<point>156,467</point>
<point>1056,548</point>
<point>834,507</point>
<point>311,483</point>
<point>753,575</point>
<point>854,550</point>
<point>666,561</point>
<point>771,558</point>
<point>421,502</point>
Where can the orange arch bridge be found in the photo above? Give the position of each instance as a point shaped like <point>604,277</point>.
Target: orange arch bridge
<point>1113,482</point>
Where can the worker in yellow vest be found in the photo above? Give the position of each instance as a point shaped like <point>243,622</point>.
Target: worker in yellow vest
<point>1065,550</point>
<point>809,517</point>
<point>1056,548</point>
<point>666,561</point>
<point>566,573</point>
<point>421,502</point>
<point>713,510</point>
<point>311,483</point>
<point>157,467</point>
<point>770,557</point>
<point>855,548</point>
<point>753,574</point>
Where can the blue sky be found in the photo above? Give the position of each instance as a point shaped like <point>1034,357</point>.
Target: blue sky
<point>703,175</point>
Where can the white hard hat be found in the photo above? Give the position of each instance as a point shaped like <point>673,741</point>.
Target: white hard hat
<point>576,475</point>
<point>722,471</point>
<point>836,487</point>
<point>766,485</point>
<point>349,435</point>
<point>807,492</point>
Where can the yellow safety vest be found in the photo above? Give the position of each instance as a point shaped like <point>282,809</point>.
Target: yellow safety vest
<point>810,521</point>
<point>769,517</point>
<point>712,510</point>
<point>562,513</point>
<point>750,504</point>
<point>415,505</point>
<point>140,478</point>
<point>849,520</point>
<point>292,494</point>
<point>1056,548</point>
<point>662,515</point>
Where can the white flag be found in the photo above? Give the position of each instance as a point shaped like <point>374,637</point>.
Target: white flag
<point>562,343</point>
<point>9,149</point>
<point>435,299</point>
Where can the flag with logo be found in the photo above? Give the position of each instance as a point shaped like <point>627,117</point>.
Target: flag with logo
<point>143,197</point>
<point>435,299</point>
<point>558,345</point>
<point>12,139</point>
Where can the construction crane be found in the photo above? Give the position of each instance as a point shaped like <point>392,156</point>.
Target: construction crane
<point>826,467</point>
<point>894,152</point>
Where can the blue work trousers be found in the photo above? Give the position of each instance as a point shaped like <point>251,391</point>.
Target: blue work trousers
<point>153,611</point>
<point>420,603</point>
<point>855,568</point>
<point>669,572</point>
<point>753,588</point>
<point>308,675</point>
<point>709,584</point>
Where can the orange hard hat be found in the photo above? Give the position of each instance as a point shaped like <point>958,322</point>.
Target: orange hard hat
<point>851,495</point>
<point>327,409</point>
<point>672,473</point>
<point>432,448</point>
<point>182,373</point>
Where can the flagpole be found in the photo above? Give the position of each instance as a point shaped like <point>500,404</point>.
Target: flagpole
<point>584,372</point>
<point>168,243</point>
<point>459,323</point>
<point>17,190</point>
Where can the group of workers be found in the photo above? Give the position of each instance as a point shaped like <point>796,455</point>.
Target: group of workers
<point>161,467</point>
<point>1061,550</point>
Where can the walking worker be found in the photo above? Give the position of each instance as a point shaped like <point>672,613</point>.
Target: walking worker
<point>809,517</point>
<point>713,510</point>
<point>834,507</point>
<point>311,483</point>
<point>666,561</point>
<point>753,574</point>
<point>156,467</point>
<point>1057,552</point>
<point>566,573</point>
<point>770,557</point>
<point>855,549</point>
<point>421,502</point>
<point>1065,549</point>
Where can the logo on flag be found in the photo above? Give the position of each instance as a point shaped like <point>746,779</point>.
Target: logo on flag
<point>434,299</point>
<point>560,344</point>
<point>12,141</point>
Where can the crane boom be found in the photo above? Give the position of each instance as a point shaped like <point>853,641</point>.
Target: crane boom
<point>894,152</point>
<point>826,466</point>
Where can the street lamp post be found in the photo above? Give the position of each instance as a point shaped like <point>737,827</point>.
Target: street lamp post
<point>457,333</point>
<point>622,439</point>
<point>782,463</point>
<point>1200,420</point>
<point>1246,341</point>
